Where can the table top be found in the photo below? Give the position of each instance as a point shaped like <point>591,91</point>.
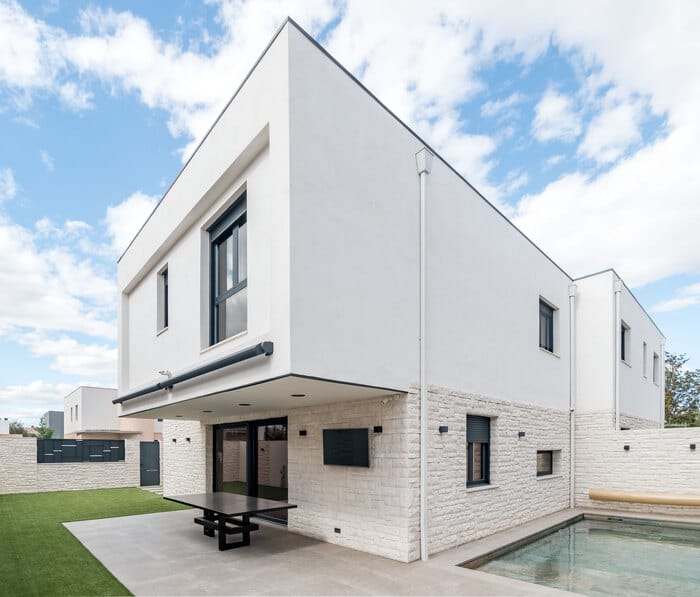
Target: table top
<point>230,504</point>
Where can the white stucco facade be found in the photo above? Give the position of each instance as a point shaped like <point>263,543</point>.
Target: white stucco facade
<point>333,273</point>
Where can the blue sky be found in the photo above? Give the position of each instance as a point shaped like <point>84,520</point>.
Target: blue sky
<point>588,140</point>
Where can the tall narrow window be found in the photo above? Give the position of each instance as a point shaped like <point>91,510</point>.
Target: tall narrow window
<point>478,441</point>
<point>229,273</point>
<point>645,359</point>
<point>163,299</point>
<point>76,412</point>
<point>624,342</point>
<point>655,369</point>
<point>546,326</point>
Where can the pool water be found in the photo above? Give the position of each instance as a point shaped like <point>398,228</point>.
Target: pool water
<point>609,557</point>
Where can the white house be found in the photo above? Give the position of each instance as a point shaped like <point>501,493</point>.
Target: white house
<point>4,426</point>
<point>89,413</point>
<point>282,287</point>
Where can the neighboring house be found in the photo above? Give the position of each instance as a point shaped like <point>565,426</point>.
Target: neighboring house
<point>53,419</point>
<point>279,292</point>
<point>4,427</point>
<point>88,413</point>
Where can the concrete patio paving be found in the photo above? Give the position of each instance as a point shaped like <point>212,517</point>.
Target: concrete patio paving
<point>166,554</point>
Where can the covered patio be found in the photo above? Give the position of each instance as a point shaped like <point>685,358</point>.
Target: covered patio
<point>165,554</point>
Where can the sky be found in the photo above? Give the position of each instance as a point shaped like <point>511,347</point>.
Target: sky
<point>579,121</point>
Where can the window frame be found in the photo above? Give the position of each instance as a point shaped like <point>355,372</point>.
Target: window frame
<point>625,343</point>
<point>656,368</point>
<point>549,472</point>
<point>485,456</point>
<point>645,358</point>
<point>553,332</point>
<point>228,225</point>
<point>163,291</point>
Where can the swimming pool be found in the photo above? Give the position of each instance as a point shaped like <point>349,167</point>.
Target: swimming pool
<point>606,556</point>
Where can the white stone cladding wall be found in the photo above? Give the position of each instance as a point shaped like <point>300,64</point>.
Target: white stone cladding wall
<point>458,514</point>
<point>634,422</point>
<point>659,460</point>
<point>20,472</point>
<point>186,466</point>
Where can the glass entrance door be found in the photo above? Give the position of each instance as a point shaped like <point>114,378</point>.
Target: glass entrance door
<point>250,458</point>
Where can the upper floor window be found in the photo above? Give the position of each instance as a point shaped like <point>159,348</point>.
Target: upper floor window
<point>645,359</point>
<point>478,442</point>
<point>546,326</point>
<point>624,342</point>
<point>655,369</point>
<point>163,299</point>
<point>229,273</point>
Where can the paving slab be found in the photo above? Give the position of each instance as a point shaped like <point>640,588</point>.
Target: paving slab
<point>167,554</point>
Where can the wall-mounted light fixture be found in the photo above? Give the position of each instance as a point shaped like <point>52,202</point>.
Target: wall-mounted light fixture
<point>378,429</point>
<point>521,434</point>
<point>627,447</point>
<point>692,446</point>
<point>187,439</point>
<point>174,440</point>
<point>443,429</point>
<point>302,432</point>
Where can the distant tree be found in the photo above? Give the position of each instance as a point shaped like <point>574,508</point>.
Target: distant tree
<point>682,392</point>
<point>17,427</point>
<point>42,431</point>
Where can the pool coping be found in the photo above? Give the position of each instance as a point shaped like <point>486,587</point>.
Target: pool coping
<point>475,553</point>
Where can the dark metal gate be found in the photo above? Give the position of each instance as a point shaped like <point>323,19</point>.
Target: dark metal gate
<point>150,463</point>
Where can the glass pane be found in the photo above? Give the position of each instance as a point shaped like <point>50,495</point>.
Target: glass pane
<point>233,315</point>
<point>225,264</point>
<point>477,470</point>
<point>272,465</point>
<point>242,253</point>
<point>234,461</point>
<point>544,463</point>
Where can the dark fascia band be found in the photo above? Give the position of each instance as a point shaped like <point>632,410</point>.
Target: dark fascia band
<point>265,348</point>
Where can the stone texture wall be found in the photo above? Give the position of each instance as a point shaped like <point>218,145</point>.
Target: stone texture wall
<point>659,460</point>
<point>186,465</point>
<point>458,514</point>
<point>20,472</point>
<point>634,422</point>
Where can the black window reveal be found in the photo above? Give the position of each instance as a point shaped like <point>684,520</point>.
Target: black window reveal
<point>544,462</point>
<point>478,443</point>
<point>229,273</point>
<point>624,341</point>
<point>163,299</point>
<point>546,326</point>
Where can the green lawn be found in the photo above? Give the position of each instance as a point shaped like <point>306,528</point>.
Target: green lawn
<point>39,556</point>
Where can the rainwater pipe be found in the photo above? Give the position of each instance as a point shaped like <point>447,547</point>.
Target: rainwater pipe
<point>424,162</point>
<point>572,394</point>
<point>618,351</point>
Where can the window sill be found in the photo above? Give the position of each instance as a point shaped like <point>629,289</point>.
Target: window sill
<point>159,332</point>
<point>481,487</point>
<point>549,352</point>
<point>547,477</point>
<point>224,342</point>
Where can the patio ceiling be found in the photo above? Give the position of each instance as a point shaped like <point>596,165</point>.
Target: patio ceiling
<point>290,391</point>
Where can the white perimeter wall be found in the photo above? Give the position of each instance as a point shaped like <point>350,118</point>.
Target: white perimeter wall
<point>248,148</point>
<point>355,255</point>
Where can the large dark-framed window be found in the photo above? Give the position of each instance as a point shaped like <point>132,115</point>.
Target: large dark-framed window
<point>546,326</point>
<point>228,239</point>
<point>478,444</point>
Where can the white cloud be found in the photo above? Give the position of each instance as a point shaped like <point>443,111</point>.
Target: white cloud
<point>29,402</point>
<point>686,296</point>
<point>556,118</point>
<point>124,220</point>
<point>70,357</point>
<point>493,108</point>
<point>612,132</point>
<point>8,187</point>
<point>47,160</point>
<point>74,97</point>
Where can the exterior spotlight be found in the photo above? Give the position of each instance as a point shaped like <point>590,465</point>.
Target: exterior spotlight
<point>166,373</point>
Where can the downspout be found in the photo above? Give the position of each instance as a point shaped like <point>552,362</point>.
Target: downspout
<point>572,394</point>
<point>618,348</point>
<point>424,160</point>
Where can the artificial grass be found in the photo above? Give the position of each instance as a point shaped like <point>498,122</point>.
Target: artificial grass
<point>39,556</point>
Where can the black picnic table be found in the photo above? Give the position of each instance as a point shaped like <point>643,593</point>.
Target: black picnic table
<point>229,514</point>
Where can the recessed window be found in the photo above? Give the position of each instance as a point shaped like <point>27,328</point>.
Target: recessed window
<point>76,412</point>
<point>655,369</point>
<point>229,273</point>
<point>546,326</point>
<point>163,299</point>
<point>624,342</point>
<point>478,442</point>
<point>645,359</point>
<point>545,462</point>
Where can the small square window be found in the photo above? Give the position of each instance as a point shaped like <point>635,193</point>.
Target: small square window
<point>545,462</point>
<point>546,326</point>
